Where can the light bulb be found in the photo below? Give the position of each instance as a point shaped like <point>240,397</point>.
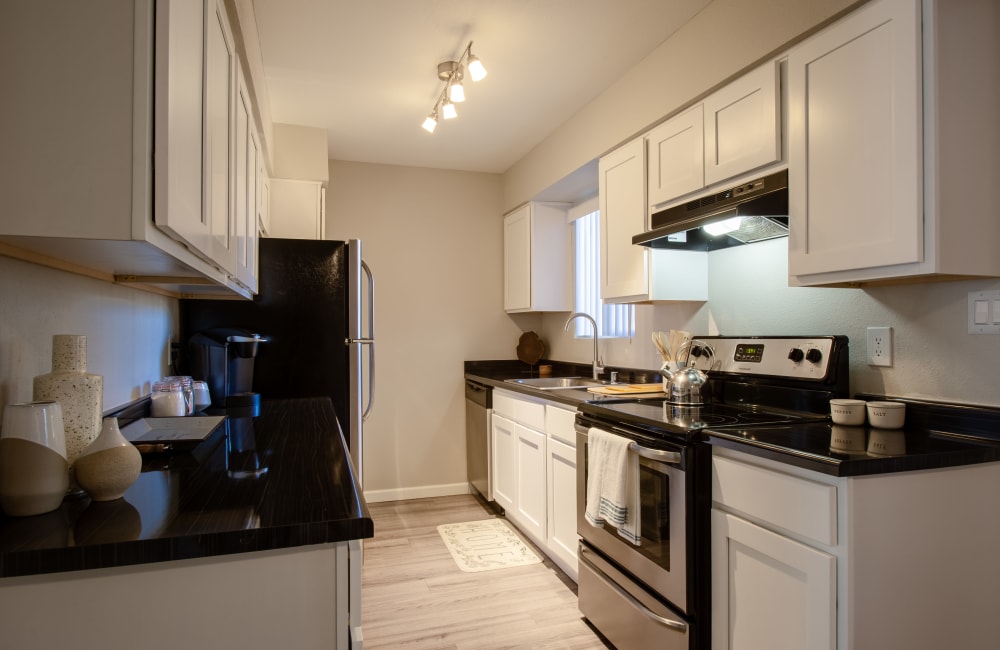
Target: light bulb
<point>430,123</point>
<point>448,111</point>
<point>722,227</point>
<point>456,92</point>
<point>476,69</point>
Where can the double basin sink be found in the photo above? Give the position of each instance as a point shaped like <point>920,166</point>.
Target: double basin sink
<point>570,388</point>
<point>557,383</point>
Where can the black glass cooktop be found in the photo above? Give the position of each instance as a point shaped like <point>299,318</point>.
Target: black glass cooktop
<point>659,415</point>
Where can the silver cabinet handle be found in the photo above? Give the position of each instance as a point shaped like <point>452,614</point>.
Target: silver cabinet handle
<point>680,626</point>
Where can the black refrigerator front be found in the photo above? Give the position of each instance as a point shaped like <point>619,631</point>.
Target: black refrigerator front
<point>310,306</point>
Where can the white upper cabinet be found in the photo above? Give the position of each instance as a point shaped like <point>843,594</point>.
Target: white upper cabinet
<point>246,186</point>
<point>889,109</point>
<point>731,132</point>
<point>622,201</point>
<point>195,139</point>
<point>675,151</point>
<point>299,209</point>
<point>148,194</point>
<point>536,259</point>
<point>742,124</point>
<point>631,273</point>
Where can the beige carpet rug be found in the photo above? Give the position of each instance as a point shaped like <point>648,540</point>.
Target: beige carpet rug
<point>486,545</point>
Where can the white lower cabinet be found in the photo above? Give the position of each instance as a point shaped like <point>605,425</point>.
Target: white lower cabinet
<point>534,470</point>
<point>531,501</point>
<point>770,591</point>
<point>561,539</point>
<point>803,560</point>
<point>504,459</point>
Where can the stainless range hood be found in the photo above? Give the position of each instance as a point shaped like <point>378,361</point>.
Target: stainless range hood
<point>753,211</point>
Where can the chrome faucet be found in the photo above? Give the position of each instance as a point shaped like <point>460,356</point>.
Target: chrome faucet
<point>598,362</point>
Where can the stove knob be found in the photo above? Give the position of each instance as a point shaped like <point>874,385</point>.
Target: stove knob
<point>796,354</point>
<point>813,355</point>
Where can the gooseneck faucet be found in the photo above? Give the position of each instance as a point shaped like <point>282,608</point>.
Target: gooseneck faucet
<point>598,362</point>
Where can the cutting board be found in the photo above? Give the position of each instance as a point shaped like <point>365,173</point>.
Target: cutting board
<point>627,389</point>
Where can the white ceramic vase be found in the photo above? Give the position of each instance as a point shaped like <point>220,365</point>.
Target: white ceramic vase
<point>79,393</point>
<point>33,470</point>
<point>110,465</point>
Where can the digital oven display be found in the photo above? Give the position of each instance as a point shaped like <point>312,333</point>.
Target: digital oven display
<point>751,353</point>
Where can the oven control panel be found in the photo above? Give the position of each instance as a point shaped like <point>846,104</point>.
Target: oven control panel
<point>791,357</point>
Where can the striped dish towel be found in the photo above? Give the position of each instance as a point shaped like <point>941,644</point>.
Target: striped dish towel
<point>612,484</point>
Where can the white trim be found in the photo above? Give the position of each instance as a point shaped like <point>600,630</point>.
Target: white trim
<point>422,492</point>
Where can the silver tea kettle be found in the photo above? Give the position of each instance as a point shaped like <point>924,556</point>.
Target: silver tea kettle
<point>684,385</point>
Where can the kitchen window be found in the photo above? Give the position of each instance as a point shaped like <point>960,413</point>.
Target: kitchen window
<point>613,321</point>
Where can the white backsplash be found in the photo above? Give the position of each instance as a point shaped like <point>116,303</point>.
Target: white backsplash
<point>934,356</point>
<point>128,331</point>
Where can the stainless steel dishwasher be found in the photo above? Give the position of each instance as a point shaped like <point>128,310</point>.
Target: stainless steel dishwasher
<point>479,437</point>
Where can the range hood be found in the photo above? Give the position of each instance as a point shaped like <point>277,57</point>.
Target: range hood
<point>749,212</point>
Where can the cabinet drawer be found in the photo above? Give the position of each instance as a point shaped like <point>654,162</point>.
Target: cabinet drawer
<point>559,424</point>
<point>523,410</point>
<point>792,503</point>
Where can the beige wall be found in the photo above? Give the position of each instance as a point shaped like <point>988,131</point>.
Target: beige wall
<point>434,240</point>
<point>128,331</point>
<point>727,37</point>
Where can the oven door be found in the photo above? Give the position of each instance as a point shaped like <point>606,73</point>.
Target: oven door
<point>660,559</point>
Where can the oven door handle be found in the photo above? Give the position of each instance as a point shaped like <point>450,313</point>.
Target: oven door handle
<point>655,454</point>
<point>680,626</point>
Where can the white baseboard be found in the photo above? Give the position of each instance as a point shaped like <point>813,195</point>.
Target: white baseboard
<point>422,492</point>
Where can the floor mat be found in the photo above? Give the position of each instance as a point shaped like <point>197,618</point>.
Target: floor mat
<point>486,545</point>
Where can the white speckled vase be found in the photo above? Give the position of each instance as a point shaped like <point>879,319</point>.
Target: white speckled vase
<point>79,393</point>
<point>109,465</point>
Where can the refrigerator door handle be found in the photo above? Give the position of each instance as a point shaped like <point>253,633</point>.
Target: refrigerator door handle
<point>370,341</point>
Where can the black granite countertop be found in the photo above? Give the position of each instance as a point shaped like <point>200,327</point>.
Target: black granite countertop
<point>936,434</point>
<point>278,480</point>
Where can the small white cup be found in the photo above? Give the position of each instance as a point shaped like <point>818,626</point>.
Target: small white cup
<point>847,411</point>
<point>886,415</point>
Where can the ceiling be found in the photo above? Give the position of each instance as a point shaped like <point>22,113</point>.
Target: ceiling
<point>366,71</point>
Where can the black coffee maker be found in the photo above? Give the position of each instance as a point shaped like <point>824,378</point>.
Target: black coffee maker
<point>223,357</point>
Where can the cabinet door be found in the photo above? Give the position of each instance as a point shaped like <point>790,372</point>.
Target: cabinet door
<point>245,233</point>
<point>769,591</point>
<point>178,122</point>
<point>855,175</point>
<point>517,259</point>
<point>298,209</point>
<point>219,135</point>
<point>675,153</point>
<point>742,125</point>
<point>504,463</point>
<point>561,539</point>
<point>622,201</point>
<point>531,501</point>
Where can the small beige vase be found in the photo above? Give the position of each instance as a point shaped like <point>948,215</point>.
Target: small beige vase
<point>110,465</point>
<point>79,393</point>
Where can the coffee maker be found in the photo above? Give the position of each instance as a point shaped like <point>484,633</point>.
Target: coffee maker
<point>223,357</point>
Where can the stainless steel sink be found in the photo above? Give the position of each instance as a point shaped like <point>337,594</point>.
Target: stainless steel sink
<point>557,383</point>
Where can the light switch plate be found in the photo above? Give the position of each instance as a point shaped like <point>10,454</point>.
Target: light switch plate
<point>990,300</point>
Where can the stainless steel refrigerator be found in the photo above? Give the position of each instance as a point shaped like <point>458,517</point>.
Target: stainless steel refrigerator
<point>315,303</point>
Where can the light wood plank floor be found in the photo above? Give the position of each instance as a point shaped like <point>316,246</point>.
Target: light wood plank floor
<point>414,595</point>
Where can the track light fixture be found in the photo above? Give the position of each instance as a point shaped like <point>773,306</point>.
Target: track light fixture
<point>452,73</point>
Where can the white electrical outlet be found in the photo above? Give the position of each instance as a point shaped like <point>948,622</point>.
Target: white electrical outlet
<point>880,346</point>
